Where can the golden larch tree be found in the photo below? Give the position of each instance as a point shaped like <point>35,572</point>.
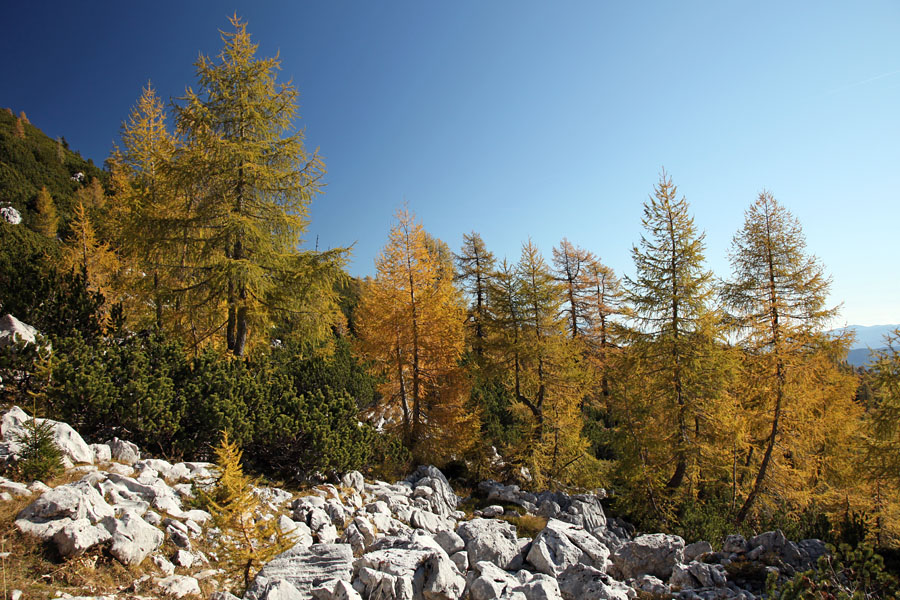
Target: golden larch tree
<point>410,322</point>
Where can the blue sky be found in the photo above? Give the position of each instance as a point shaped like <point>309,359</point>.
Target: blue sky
<point>541,119</point>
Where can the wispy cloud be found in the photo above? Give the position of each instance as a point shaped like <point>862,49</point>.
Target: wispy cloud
<point>862,82</point>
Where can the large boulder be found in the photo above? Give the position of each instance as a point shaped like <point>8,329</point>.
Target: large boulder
<point>430,485</point>
<point>652,554</point>
<point>581,582</point>
<point>490,540</point>
<point>698,575</point>
<point>124,451</point>
<point>490,582</point>
<point>62,505</point>
<point>73,447</point>
<point>560,545</point>
<point>304,569</point>
<point>12,330</point>
<point>133,539</point>
<point>75,537</point>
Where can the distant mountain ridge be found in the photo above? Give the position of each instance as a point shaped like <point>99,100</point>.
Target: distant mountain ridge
<point>868,338</point>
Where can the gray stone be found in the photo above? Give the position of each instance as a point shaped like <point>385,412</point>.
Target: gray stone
<point>489,540</point>
<point>304,568</point>
<point>13,330</point>
<point>14,488</point>
<point>651,585</point>
<point>77,536</point>
<point>354,480</point>
<point>384,586</point>
<point>282,590</point>
<point>461,560</point>
<point>133,538</point>
<point>449,541</point>
<point>735,544</point>
<point>163,564</point>
<point>653,554</point>
<point>10,215</point>
<point>178,586</point>
<point>61,505</point>
<point>492,511</point>
<point>123,451</point>
<point>560,545</point>
<point>441,501</point>
<point>336,589</point>
<point>442,581</point>
<point>490,582</point>
<point>430,522</point>
<point>102,453</point>
<point>13,428</point>
<point>540,588</point>
<point>581,582</point>
<point>695,550</point>
<point>697,575</point>
<point>183,558</point>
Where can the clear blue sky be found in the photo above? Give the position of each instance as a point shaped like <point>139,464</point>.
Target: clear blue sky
<point>541,119</point>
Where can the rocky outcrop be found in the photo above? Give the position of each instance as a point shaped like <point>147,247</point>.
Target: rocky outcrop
<point>653,554</point>
<point>12,430</point>
<point>13,330</point>
<point>303,569</point>
<point>380,541</point>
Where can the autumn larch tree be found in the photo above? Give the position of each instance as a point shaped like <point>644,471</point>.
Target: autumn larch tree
<point>670,296</point>
<point>146,207</point>
<point>527,333</point>
<point>84,251</point>
<point>46,220</point>
<point>474,265</point>
<point>255,181</point>
<point>410,322</point>
<point>777,297</point>
<point>570,265</point>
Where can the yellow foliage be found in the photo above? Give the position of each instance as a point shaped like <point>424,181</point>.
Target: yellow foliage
<point>248,541</point>
<point>410,323</point>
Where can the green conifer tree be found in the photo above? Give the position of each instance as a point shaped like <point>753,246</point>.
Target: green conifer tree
<point>255,181</point>
<point>675,341</point>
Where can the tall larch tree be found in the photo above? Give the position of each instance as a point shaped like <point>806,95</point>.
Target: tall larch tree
<point>570,269</point>
<point>255,180</point>
<point>474,266</point>
<point>410,322</point>
<point>882,443</point>
<point>147,208</point>
<point>605,302</point>
<point>670,295</point>
<point>46,221</point>
<point>528,333</point>
<point>84,251</point>
<point>777,297</point>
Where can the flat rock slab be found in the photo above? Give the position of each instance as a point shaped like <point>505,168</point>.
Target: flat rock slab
<point>304,569</point>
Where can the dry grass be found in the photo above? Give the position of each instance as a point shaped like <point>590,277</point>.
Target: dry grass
<point>37,569</point>
<point>527,525</point>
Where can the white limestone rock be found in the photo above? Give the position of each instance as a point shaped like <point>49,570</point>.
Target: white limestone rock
<point>304,568</point>
<point>653,554</point>
<point>489,540</point>
<point>133,539</point>
<point>178,586</point>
